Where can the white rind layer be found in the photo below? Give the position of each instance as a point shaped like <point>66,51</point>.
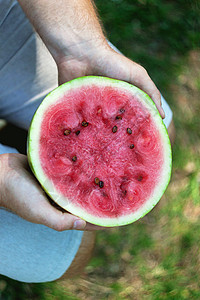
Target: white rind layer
<point>34,160</point>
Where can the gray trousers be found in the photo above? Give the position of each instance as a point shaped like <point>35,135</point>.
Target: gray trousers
<point>28,252</point>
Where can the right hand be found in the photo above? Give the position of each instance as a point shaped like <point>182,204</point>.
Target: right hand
<point>106,62</point>
<point>22,194</point>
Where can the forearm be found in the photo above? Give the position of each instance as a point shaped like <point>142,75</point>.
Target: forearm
<point>69,28</point>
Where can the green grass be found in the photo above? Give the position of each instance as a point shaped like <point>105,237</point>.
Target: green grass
<point>157,257</point>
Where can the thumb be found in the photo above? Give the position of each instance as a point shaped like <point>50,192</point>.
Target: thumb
<point>51,217</point>
<point>58,220</point>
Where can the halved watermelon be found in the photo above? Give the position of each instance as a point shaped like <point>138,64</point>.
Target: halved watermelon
<point>100,150</point>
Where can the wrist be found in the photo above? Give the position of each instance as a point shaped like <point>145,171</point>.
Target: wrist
<point>81,50</point>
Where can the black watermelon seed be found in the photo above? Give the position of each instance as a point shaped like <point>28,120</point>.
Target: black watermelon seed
<point>84,123</point>
<point>74,158</point>
<point>132,146</point>
<point>129,131</point>
<point>97,180</point>
<point>77,132</point>
<point>122,110</point>
<point>67,132</point>
<point>114,129</point>
<point>101,184</point>
<point>118,117</point>
<point>139,178</point>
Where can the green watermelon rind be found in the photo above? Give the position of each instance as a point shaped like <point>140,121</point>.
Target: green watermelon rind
<point>34,162</point>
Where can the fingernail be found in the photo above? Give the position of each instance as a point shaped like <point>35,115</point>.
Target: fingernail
<point>79,224</point>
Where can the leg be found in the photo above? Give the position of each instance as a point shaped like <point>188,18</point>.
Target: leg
<point>32,252</point>
<point>82,256</point>
<point>171,132</point>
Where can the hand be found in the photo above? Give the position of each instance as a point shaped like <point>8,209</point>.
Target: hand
<point>77,43</point>
<point>21,194</point>
<point>107,62</point>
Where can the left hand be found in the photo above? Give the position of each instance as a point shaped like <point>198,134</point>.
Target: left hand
<point>22,194</point>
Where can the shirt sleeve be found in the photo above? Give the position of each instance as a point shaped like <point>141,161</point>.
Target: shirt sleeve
<point>7,149</point>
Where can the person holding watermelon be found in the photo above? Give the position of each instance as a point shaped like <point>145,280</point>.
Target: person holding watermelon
<point>37,241</point>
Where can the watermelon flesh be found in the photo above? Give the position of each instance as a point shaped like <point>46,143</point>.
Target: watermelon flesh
<point>101,151</point>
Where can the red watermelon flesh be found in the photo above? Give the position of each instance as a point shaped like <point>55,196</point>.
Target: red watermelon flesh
<point>103,152</point>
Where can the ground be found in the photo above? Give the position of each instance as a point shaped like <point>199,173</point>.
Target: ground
<point>158,256</point>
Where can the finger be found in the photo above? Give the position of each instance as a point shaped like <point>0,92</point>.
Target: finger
<point>37,209</point>
<point>92,227</point>
<point>65,221</point>
<point>120,67</point>
<point>40,210</point>
<point>140,78</point>
<point>58,220</point>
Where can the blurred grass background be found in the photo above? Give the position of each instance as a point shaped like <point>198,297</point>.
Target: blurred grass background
<point>157,257</point>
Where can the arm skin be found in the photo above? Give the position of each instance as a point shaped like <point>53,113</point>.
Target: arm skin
<point>69,28</point>
<point>72,33</point>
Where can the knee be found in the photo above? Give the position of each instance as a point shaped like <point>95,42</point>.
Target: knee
<point>82,257</point>
<point>172,132</point>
